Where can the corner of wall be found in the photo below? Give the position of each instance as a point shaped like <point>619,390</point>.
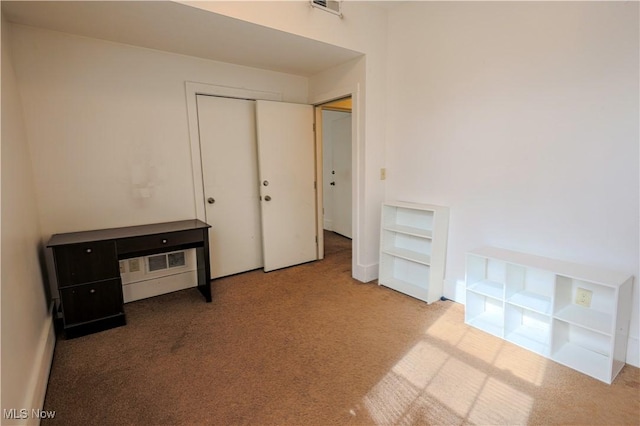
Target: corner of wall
<point>454,290</point>
<point>365,273</point>
<point>633,352</point>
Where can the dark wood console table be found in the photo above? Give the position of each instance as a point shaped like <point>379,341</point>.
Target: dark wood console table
<point>88,271</point>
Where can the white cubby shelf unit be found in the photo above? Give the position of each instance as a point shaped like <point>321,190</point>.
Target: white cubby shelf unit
<point>539,304</point>
<point>413,245</point>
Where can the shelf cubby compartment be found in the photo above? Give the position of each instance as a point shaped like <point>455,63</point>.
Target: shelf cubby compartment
<point>597,317</point>
<point>482,269</point>
<point>407,246</point>
<point>528,329</point>
<point>406,218</point>
<point>409,230</point>
<point>404,275</point>
<point>582,349</point>
<point>485,312</point>
<point>413,240</point>
<point>530,288</point>
<point>488,288</point>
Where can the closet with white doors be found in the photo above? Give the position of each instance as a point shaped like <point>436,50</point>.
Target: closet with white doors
<point>258,168</point>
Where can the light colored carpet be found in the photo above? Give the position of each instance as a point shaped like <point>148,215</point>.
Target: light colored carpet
<point>308,345</point>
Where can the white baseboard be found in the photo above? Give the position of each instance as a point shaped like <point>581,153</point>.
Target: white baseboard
<point>365,273</point>
<point>37,387</point>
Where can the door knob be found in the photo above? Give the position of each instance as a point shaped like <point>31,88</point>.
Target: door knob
<point>210,200</point>
<point>332,184</point>
<point>267,198</point>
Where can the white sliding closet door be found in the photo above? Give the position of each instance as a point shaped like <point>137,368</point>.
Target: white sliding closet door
<point>230,174</point>
<point>286,157</point>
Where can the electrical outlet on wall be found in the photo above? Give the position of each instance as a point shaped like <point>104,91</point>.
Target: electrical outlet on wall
<point>583,297</point>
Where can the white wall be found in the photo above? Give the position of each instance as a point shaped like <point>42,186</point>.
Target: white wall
<point>363,29</point>
<point>108,126</point>
<point>27,329</point>
<point>523,118</point>
<point>102,121</point>
<point>138,109</point>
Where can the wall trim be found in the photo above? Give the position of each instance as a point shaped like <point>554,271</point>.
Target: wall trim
<point>365,273</point>
<point>37,385</point>
<point>358,271</point>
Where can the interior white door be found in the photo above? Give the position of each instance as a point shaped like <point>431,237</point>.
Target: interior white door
<point>328,173</point>
<point>230,174</point>
<point>286,158</point>
<point>341,178</point>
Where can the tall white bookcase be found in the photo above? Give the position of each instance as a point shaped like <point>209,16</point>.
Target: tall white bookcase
<point>576,315</point>
<point>413,245</point>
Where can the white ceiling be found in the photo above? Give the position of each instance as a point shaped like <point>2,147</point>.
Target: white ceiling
<point>179,28</point>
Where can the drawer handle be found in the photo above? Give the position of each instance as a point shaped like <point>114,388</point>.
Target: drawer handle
<point>88,250</point>
<point>93,290</point>
<point>164,241</point>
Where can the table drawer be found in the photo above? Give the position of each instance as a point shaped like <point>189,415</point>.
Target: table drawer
<point>151,243</point>
<point>89,302</point>
<point>86,262</point>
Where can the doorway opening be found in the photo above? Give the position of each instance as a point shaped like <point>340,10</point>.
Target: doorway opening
<point>335,134</point>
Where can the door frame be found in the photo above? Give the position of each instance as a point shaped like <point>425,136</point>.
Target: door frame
<point>357,171</point>
<point>192,89</point>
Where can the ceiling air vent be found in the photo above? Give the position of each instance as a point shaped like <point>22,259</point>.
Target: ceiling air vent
<point>331,6</point>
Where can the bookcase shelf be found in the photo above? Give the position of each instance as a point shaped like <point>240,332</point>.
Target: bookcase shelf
<point>573,314</point>
<point>600,322</point>
<point>413,242</point>
<point>411,255</point>
<point>488,288</point>
<point>532,301</point>
<point>409,230</point>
